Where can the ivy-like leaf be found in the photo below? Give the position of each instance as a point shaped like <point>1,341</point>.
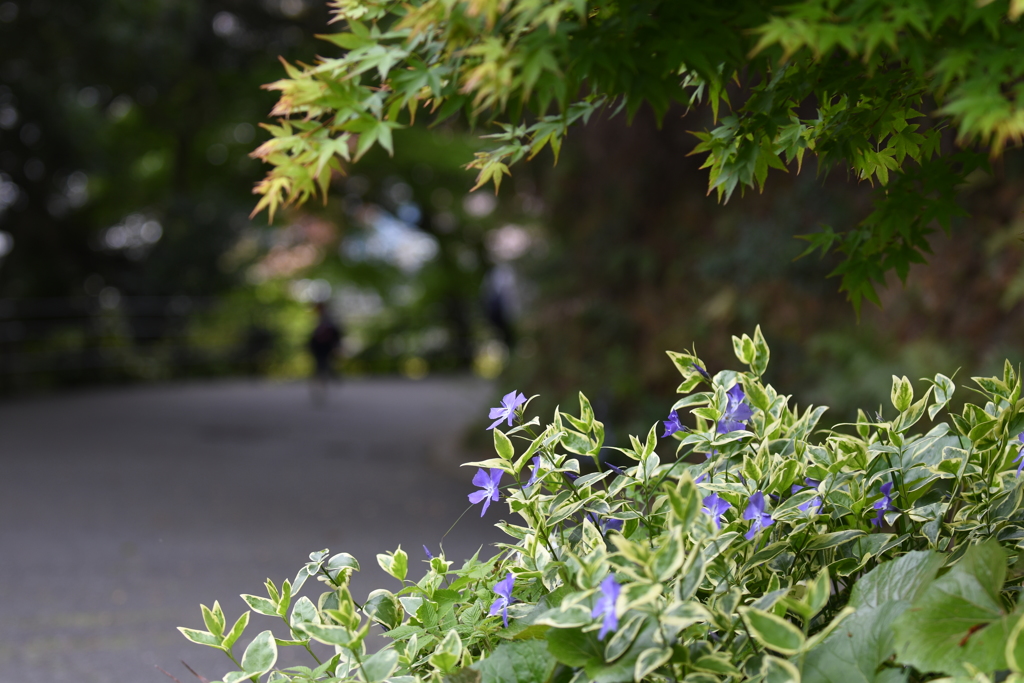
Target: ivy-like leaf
<point>960,618</point>
<point>522,661</point>
<point>854,651</point>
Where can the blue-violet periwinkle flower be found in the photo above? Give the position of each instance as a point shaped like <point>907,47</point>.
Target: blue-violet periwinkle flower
<point>1020,454</point>
<point>610,524</point>
<point>736,411</point>
<point>673,425</point>
<point>605,606</point>
<point>533,474</point>
<point>813,502</point>
<point>503,589</point>
<point>607,524</point>
<point>756,514</point>
<point>507,409</point>
<point>883,504</point>
<point>430,555</point>
<point>488,484</point>
<point>716,506</point>
<point>808,484</point>
<point>702,371</point>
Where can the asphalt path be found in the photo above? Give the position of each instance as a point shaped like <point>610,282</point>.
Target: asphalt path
<point>122,510</point>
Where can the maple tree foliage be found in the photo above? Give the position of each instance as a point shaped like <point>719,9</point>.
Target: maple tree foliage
<point>868,87</point>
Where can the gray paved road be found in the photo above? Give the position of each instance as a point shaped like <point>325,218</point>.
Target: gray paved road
<point>122,510</point>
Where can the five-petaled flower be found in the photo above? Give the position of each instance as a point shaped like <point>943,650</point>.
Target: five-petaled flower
<point>673,425</point>
<point>507,409</point>
<point>1019,460</point>
<point>756,514</point>
<point>736,411</point>
<point>605,606</point>
<point>715,506</point>
<point>488,484</point>
<point>503,589</point>
<point>883,504</point>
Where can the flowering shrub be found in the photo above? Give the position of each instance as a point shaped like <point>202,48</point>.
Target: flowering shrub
<point>752,547</point>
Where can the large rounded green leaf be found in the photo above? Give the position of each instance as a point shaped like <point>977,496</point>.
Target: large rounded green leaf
<point>959,619</point>
<point>525,661</point>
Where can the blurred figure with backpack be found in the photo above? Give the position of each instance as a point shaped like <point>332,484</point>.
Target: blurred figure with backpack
<point>500,297</point>
<point>324,343</point>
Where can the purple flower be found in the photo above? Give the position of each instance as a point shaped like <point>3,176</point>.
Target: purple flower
<point>813,502</point>
<point>570,476</point>
<point>700,478</point>
<point>430,555</point>
<point>533,474</point>
<point>610,524</point>
<point>1020,454</point>
<point>503,589</point>
<point>755,513</point>
<point>702,371</point>
<point>607,524</point>
<point>808,483</point>
<point>736,411</point>
<point>673,425</point>
<point>507,409</point>
<point>613,468</point>
<point>488,484</point>
<point>883,504</point>
<point>605,606</point>
<point>716,506</point>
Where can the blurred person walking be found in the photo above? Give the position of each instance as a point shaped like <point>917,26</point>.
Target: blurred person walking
<point>500,297</point>
<point>323,344</point>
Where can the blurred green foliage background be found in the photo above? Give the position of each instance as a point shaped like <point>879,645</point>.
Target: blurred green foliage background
<point>642,261</point>
<point>129,254</point>
<point>128,251</point>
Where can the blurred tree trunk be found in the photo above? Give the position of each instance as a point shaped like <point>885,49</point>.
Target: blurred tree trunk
<point>641,260</point>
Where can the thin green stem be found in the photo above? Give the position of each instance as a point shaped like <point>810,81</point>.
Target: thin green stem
<point>311,653</point>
